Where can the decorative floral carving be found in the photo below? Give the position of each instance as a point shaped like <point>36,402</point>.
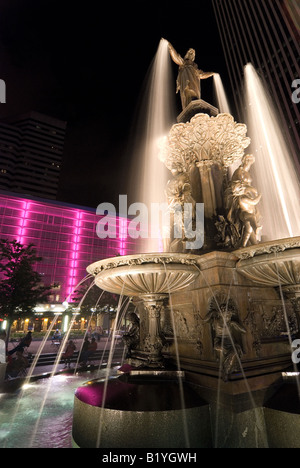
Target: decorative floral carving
<point>271,264</point>
<point>268,248</point>
<point>275,322</point>
<point>140,260</point>
<point>268,321</point>
<point>203,140</point>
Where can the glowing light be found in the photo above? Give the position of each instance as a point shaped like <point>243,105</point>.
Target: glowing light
<point>23,222</point>
<point>73,272</point>
<point>26,386</point>
<point>66,323</point>
<point>122,235</point>
<point>65,237</point>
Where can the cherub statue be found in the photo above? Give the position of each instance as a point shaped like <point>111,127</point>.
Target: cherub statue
<point>241,200</point>
<point>189,76</point>
<point>227,335</point>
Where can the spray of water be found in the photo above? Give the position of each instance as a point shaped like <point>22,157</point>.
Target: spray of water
<point>29,375</point>
<point>223,104</point>
<point>274,172</point>
<point>224,108</point>
<point>108,368</point>
<point>180,383</point>
<point>156,116</point>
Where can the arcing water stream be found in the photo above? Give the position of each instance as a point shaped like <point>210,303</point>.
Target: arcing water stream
<point>274,172</point>
<point>223,104</point>
<point>157,114</point>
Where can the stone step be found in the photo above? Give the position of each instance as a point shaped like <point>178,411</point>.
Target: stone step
<point>50,358</point>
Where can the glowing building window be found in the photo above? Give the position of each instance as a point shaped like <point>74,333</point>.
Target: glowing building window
<point>23,222</point>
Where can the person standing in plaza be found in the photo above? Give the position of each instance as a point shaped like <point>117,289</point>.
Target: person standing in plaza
<point>24,343</point>
<point>2,347</point>
<point>2,355</point>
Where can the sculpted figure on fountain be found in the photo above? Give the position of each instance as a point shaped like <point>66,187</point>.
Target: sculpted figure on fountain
<point>227,333</point>
<point>204,148</point>
<point>189,76</point>
<point>132,337</point>
<point>209,145</point>
<point>241,200</point>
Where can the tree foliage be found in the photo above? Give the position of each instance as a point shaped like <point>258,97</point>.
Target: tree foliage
<point>21,287</point>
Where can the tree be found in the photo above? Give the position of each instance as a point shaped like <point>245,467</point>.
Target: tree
<point>21,287</point>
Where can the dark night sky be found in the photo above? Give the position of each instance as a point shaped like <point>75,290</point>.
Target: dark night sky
<point>86,63</point>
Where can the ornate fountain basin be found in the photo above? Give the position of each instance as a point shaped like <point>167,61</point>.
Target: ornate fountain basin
<point>145,274</point>
<point>274,263</point>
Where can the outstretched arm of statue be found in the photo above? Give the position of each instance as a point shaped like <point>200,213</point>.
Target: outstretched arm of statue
<point>175,56</point>
<point>203,75</point>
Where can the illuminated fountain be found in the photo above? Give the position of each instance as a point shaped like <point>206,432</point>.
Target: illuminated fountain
<point>212,310</point>
<point>221,313</point>
<point>213,324</point>
<point>217,311</point>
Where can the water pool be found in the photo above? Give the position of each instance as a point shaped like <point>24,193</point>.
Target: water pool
<point>40,415</point>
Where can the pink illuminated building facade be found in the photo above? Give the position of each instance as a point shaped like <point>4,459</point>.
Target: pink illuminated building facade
<point>64,236</point>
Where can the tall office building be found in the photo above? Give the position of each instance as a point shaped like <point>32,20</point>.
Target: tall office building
<point>265,33</point>
<point>65,236</point>
<point>31,149</point>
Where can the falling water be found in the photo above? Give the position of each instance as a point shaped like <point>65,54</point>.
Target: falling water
<point>157,115</point>
<point>223,104</point>
<point>274,173</point>
<point>224,108</point>
<point>108,369</point>
<point>180,383</point>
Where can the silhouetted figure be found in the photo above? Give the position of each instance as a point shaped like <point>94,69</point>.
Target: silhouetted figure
<point>24,343</point>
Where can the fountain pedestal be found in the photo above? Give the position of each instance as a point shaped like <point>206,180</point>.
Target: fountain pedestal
<point>150,278</point>
<point>155,340</point>
<point>195,107</point>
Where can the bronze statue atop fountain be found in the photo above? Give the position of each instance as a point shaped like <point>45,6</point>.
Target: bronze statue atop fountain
<point>189,76</point>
